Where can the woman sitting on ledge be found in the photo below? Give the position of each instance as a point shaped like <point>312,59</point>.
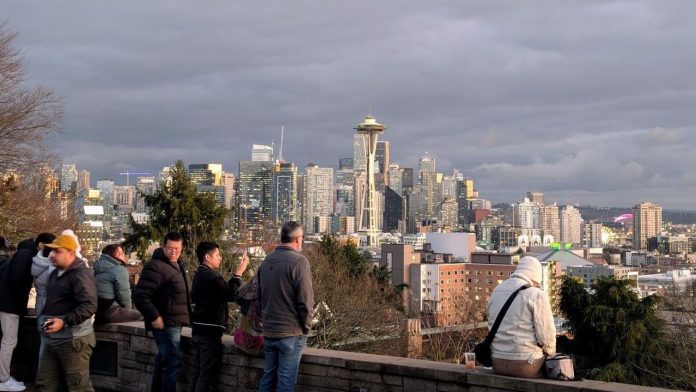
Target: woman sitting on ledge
<point>113,287</point>
<point>527,332</point>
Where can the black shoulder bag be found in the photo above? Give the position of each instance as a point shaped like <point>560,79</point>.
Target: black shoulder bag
<point>483,349</point>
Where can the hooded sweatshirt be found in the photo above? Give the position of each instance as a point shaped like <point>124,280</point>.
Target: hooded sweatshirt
<point>527,330</point>
<point>41,268</point>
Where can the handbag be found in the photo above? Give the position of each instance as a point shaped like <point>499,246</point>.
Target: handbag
<point>559,367</point>
<point>483,349</point>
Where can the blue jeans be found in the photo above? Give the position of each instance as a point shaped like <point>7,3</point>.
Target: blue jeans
<point>281,363</point>
<point>168,360</point>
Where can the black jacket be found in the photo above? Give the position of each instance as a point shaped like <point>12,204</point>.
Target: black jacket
<point>163,290</point>
<point>73,295</point>
<point>16,280</point>
<point>209,297</point>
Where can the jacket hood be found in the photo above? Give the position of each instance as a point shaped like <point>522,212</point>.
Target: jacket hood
<point>27,244</point>
<point>105,263</point>
<point>40,262</point>
<point>529,268</point>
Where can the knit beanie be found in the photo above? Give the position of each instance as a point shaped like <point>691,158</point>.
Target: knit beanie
<point>530,268</point>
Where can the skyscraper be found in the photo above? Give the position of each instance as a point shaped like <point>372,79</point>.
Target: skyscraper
<point>261,153</point>
<point>255,192</point>
<point>647,222</point>
<point>206,174</point>
<point>83,181</point>
<point>318,196</point>
<point>228,184</point>
<point>394,211</point>
<point>284,205</point>
<point>370,130</point>
<point>426,164</point>
<point>382,164</point>
<point>359,160</point>
<point>536,197</point>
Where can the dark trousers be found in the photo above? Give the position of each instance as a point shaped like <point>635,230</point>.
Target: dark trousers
<point>66,363</point>
<point>168,360</point>
<point>117,314</point>
<point>207,359</point>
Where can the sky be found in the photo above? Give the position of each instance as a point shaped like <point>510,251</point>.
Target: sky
<point>591,102</point>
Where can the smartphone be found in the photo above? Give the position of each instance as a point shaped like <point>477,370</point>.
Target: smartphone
<point>46,324</point>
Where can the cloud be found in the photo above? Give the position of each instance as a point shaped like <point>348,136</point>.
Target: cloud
<point>591,99</point>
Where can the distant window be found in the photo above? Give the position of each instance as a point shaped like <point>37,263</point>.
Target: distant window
<point>468,280</point>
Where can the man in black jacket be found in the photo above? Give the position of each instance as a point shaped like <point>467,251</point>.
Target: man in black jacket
<point>15,284</point>
<point>67,320</point>
<point>209,296</point>
<point>162,296</point>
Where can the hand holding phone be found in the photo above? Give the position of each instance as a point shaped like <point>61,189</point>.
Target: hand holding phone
<point>53,325</point>
<point>243,264</point>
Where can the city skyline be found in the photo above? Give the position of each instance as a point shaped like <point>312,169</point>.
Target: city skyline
<point>584,101</point>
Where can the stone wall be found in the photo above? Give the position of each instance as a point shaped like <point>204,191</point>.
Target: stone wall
<point>124,361</point>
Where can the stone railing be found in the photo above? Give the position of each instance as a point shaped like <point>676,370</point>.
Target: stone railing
<point>124,360</point>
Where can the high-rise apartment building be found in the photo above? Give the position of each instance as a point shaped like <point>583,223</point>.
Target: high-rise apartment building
<point>318,196</point>
<point>536,197</point>
<point>550,221</point>
<point>146,185</point>
<point>345,200</point>
<point>591,234</point>
<point>394,211</point>
<point>647,222</point>
<point>284,205</point>
<point>68,177</point>
<point>382,164</point>
<point>345,163</point>
<point>528,214</point>
<point>165,176</point>
<point>570,225</point>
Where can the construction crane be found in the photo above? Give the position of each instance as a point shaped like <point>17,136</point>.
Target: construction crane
<point>128,174</point>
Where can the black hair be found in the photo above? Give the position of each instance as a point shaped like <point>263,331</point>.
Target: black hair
<point>287,231</point>
<point>205,248</point>
<point>45,238</point>
<point>172,236</point>
<point>46,251</point>
<point>111,250</point>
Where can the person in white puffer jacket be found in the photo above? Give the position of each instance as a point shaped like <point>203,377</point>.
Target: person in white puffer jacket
<point>527,332</point>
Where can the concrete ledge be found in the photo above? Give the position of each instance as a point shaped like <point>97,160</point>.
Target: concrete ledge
<point>131,350</point>
<point>328,370</point>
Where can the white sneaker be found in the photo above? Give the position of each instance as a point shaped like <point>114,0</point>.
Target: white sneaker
<point>11,386</point>
<point>15,381</point>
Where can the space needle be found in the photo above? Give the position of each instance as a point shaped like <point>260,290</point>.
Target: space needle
<point>370,130</point>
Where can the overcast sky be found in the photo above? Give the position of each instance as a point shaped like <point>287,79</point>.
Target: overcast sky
<point>592,102</point>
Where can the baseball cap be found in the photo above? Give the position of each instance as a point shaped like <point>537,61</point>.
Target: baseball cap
<point>64,241</point>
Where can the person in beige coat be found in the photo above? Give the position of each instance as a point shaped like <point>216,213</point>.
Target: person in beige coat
<point>527,332</point>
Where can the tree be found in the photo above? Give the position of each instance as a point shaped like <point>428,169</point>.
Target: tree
<point>27,116</point>
<point>354,311</point>
<point>614,333</point>
<point>178,207</point>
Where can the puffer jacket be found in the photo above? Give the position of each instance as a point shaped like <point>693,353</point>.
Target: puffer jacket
<point>41,268</point>
<point>17,279</point>
<point>163,291</point>
<point>112,281</point>
<point>527,330</point>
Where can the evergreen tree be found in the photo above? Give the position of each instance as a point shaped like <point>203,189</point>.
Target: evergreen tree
<point>615,334</point>
<point>178,207</point>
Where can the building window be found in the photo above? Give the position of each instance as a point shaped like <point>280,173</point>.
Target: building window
<point>468,280</point>
<point>468,272</point>
<point>490,273</point>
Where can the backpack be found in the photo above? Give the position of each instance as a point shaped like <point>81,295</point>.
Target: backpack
<point>248,333</point>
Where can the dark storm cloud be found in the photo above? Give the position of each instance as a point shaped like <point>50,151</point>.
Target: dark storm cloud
<point>589,101</point>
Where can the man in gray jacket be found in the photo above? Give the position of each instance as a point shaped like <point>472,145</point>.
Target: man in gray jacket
<point>287,302</point>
